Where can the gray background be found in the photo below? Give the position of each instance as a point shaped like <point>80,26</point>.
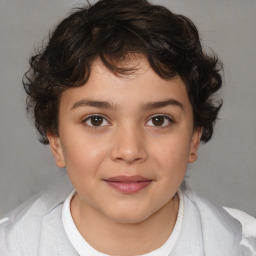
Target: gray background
<point>225,170</point>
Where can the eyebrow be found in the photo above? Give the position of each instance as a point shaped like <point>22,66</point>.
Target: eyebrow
<point>109,105</point>
<point>162,104</point>
<point>93,103</point>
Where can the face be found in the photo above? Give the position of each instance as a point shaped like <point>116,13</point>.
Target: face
<point>126,141</point>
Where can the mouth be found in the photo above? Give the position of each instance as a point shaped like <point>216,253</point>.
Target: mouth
<point>128,184</point>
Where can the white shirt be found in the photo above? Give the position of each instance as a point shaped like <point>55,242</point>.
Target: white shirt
<point>85,249</point>
<point>35,228</point>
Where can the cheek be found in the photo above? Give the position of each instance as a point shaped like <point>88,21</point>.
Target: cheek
<point>174,166</point>
<point>172,151</point>
<point>83,156</point>
<point>171,156</point>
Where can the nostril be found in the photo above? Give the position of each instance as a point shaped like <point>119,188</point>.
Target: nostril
<point>128,155</point>
<point>129,159</point>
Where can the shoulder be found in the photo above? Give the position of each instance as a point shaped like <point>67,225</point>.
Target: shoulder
<point>223,227</point>
<point>210,211</point>
<point>23,228</point>
<point>247,221</point>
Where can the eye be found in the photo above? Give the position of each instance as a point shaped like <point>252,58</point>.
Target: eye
<point>96,121</point>
<point>160,121</point>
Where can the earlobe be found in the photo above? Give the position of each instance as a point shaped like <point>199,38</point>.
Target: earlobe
<point>57,150</point>
<point>195,144</point>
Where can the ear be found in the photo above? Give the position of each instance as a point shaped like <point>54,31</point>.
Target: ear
<point>57,150</point>
<point>195,144</point>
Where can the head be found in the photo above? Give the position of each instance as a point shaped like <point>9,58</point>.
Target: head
<point>114,31</point>
<point>119,59</point>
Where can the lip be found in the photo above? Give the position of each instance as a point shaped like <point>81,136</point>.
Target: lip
<point>128,184</point>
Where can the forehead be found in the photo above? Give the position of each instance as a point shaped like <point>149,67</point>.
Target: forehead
<point>140,86</point>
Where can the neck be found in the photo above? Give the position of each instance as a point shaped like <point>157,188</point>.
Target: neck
<point>114,238</point>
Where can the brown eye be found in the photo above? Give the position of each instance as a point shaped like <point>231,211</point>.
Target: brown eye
<point>96,121</point>
<point>160,121</point>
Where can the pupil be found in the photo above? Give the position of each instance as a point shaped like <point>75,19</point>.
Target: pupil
<point>158,120</point>
<point>96,120</point>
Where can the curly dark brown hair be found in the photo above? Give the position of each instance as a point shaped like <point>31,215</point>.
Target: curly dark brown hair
<point>112,30</point>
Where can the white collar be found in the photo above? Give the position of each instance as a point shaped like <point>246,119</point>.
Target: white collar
<point>84,249</point>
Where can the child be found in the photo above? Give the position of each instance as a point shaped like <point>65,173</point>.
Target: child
<point>123,93</point>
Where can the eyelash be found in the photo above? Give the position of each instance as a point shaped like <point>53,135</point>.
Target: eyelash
<point>168,118</point>
<point>95,126</point>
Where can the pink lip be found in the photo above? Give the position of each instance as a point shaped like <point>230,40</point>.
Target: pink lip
<point>128,184</point>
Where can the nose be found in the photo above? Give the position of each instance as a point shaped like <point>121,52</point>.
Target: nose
<point>129,146</point>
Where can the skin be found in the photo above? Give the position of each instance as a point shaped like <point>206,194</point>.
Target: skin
<point>127,142</point>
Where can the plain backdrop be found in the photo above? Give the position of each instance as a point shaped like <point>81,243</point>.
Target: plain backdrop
<point>225,170</point>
